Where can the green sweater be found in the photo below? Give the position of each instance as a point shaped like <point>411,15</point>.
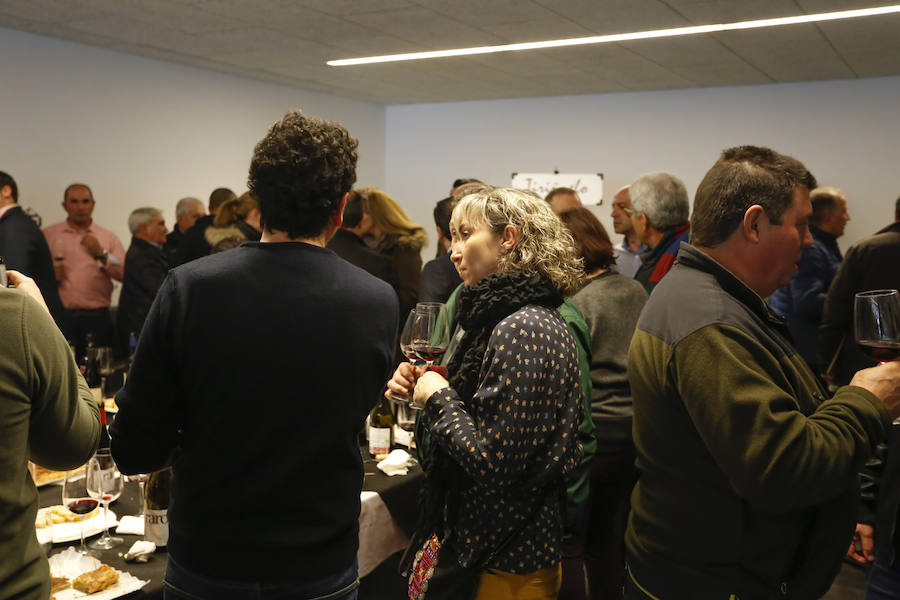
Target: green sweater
<point>48,415</point>
<point>748,480</point>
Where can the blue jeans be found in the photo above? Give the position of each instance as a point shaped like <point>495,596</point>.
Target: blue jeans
<point>883,583</point>
<point>181,584</point>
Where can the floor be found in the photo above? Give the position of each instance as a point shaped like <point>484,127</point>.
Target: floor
<point>385,584</point>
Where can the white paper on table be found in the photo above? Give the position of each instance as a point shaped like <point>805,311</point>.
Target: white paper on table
<point>70,564</point>
<point>131,525</point>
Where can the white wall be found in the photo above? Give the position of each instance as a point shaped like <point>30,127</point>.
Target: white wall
<point>846,132</point>
<point>144,132</point>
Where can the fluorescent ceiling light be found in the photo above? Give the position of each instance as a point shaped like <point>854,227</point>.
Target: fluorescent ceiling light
<point>621,37</point>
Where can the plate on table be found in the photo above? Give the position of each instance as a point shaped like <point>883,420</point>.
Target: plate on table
<point>49,528</point>
<point>70,564</point>
<point>44,476</point>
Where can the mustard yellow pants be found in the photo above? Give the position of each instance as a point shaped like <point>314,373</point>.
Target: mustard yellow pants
<point>540,585</point>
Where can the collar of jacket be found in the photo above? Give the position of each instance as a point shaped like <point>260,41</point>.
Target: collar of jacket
<point>695,259</point>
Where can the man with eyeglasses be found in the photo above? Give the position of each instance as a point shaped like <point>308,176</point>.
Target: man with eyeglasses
<point>628,253</point>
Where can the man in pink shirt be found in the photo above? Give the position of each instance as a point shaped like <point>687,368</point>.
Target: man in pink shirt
<point>86,258</point>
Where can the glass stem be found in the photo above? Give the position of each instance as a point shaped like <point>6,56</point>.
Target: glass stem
<point>143,502</point>
<point>105,520</point>
<point>83,549</point>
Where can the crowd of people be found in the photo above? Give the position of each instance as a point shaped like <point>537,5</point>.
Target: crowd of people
<point>682,414</point>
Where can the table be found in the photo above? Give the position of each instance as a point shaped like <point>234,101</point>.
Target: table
<point>386,519</point>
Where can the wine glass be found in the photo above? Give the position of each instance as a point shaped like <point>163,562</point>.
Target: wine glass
<point>104,482</point>
<point>876,324</point>
<point>76,499</point>
<point>406,336</point>
<point>104,359</point>
<point>141,479</point>
<point>430,334</point>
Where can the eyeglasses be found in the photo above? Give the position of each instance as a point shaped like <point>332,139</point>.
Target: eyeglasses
<point>626,209</point>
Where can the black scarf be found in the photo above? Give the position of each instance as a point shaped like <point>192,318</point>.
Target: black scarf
<point>479,308</point>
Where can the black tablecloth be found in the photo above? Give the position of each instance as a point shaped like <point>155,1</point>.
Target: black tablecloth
<point>400,494</point>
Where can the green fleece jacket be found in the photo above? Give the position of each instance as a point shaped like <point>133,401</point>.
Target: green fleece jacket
<point>748,474</point>
<point>47,414</point>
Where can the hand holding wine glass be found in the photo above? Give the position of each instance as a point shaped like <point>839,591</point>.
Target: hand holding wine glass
<point>105,483</point>
<point>76,499</point>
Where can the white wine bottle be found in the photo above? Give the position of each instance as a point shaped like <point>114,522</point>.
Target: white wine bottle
<point>381,428</point>
<point>156,508</point>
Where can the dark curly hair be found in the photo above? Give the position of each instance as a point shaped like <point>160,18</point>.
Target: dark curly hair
<point>300,171</point>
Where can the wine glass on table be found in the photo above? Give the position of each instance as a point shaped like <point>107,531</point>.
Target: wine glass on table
<point>76,499</point>
<point>105,483</point>
<point>430,334</point>
<point>141,479</point>
<point>876,324</point>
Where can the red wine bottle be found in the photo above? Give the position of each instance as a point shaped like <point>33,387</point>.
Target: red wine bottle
<point>156,508</point>
<point>104,430</point>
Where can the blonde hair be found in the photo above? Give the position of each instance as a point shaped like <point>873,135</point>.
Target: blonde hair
<point>385,213</point>
<point>234,210</point>
<point>544,245</point>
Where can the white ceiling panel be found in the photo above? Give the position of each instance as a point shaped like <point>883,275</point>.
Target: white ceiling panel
<point>288,41</point>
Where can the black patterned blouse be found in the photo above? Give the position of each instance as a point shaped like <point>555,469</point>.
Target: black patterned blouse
<point>515,440</point>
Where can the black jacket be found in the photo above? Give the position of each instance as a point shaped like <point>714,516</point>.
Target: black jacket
<point>193,243</point>
<point>145,269</point>
<point>351,248</point>
<point>439,279</point>
<point>869,265</point>
<point>25,249</point>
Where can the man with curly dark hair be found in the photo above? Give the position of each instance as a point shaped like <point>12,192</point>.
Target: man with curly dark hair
<point>273,321</point>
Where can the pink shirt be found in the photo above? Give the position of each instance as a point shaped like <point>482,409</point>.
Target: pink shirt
<point>87,283</point>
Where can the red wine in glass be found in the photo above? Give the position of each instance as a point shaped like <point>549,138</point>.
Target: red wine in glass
<point>428,352</point>
<point>82,506</point>
<point>880,350</point>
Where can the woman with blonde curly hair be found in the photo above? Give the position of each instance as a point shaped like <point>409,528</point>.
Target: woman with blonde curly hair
<point>393,234</point>
<point>504,428</point>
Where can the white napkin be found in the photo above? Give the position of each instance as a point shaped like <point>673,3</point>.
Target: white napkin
<point>140,551</point>
<point>395,463</point>
<point>131,525</point>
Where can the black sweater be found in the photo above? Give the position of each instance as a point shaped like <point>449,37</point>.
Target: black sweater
<point>253,376</point>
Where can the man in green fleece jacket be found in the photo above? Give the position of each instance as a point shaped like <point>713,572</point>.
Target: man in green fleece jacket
<point>48,415</point>
<point>748,474</point>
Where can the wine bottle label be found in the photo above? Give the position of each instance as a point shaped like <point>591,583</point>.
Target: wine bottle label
<point>156,526</point>
<point>379,440</point>
<point>402,437</point>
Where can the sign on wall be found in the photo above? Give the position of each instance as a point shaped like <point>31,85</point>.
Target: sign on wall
<point>588,185</point>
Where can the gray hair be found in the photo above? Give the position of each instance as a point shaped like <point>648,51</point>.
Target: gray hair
<point>662,197</point>
<point>141,216</point>
<point>185,204</point>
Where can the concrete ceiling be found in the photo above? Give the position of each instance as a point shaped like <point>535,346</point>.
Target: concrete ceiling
<point>288,41</point>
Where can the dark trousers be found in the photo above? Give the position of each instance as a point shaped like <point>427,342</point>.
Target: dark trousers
<point>597,550</point>
<point>883,583</point>
<point>97,322</point>
<point>181,584</point>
